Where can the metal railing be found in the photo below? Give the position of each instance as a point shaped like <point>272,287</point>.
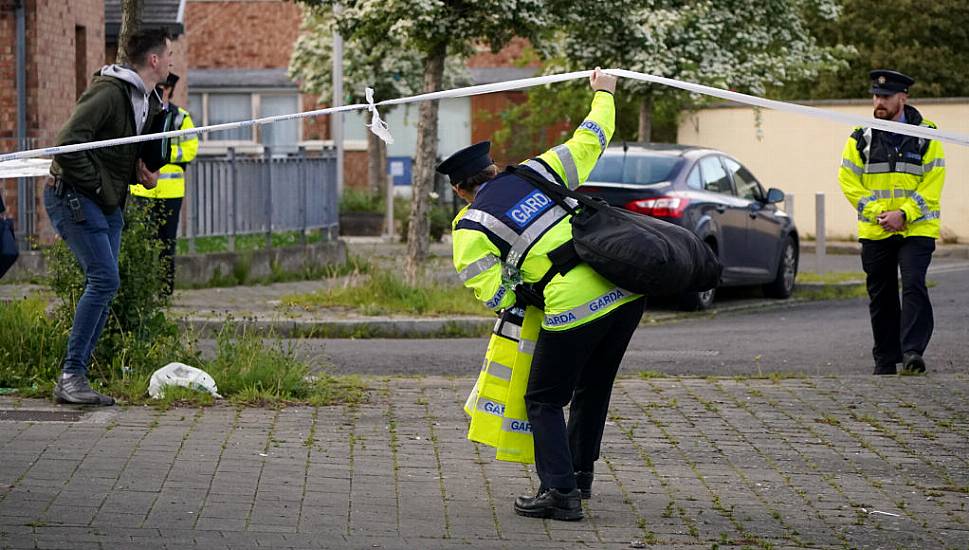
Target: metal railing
<point>245,195</point>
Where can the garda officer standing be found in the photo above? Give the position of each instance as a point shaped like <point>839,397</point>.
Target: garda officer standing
<point>895,182</point>
<point>165,200</point>
<point>512,233</point>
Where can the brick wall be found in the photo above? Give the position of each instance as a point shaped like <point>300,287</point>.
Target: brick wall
<point>51,78</point>
<point>241,34</point>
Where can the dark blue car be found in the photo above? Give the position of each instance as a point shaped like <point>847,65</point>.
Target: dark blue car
<point>712,194</point>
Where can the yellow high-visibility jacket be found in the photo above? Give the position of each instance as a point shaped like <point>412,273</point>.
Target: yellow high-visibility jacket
<point>504,236</point>
<point>171,178</point>
<point>881,171</point>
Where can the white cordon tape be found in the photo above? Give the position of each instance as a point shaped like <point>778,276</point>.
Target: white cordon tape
<point>379,127</point>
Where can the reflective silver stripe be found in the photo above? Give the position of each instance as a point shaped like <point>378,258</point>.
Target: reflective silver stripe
<point>516,426</point>
<point>510,330</point>
<point>179,156</point>
<point>595,128</point>
<point>499,371</point>
<point>587,309</point>
<point>495,300</point>
<point>540,168</point>
<point>933,215</point>
<point>908,168</point>
<point>477,268</point>
<point>879,168</point>
<point>171,176</point>
<point>491,223</point>
<point>526,346</point>
<point>495,408</point>
<point>568,164</point>
<point>530,235</point>
<point>845,163</point>
<point>937,163</point>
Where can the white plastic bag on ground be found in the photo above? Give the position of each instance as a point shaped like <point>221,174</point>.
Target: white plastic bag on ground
<point>180,374</point>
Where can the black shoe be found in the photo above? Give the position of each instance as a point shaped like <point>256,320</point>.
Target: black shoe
<point>913,362</point>
<point>552,504</point>
<point>76,390</point>
<point>584,481</point>
<point>885,369</point>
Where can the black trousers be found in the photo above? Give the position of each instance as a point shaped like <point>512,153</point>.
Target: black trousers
<point>164,213</point>
<point>577,365</point>
<point>906,327</point>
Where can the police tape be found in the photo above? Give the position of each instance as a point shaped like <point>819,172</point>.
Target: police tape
<point>379,127</point>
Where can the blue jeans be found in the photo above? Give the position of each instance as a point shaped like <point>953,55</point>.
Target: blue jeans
<point>95,243</point>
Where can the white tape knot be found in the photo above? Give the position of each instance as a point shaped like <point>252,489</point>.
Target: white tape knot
<point>377,126</point>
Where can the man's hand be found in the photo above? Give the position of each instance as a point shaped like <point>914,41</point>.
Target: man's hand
<point>601,81</point>
<point>147,179</point>
<point>893,220</point>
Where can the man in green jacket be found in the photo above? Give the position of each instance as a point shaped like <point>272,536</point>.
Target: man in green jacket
<point>87,191</point>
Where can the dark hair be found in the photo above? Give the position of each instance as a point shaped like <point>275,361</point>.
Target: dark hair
<point>145,42</point>
<point>471,182</point>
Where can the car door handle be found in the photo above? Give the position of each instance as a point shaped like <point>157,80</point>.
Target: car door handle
<point>721,208</point>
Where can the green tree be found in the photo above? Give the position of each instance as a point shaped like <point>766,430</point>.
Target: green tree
<point>923,39</point>
<point>742,45</point>
<point>434,30</point>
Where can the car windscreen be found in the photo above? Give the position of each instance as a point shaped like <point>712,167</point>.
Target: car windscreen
<point>635,169</point>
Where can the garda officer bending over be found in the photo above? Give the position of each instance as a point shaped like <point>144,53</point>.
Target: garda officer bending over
<point>165,200</point>
<point>895,182</point>
<point>505,236</point>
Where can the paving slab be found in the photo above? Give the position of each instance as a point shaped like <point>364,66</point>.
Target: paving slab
<point>817,462</point>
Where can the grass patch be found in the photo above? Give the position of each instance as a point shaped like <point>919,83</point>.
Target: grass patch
<point>651,374</point>
<point>385,293</point>
<point>839,292</point>
<point>831,277</point>
<point>247,370</point>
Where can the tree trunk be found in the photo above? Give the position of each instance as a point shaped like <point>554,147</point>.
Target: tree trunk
<point>646,118</point>
<point>418,232</point>
<point>130,23</point>
<point>376,164</point>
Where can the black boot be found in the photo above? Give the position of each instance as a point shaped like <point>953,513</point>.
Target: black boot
<point>885,369</point>
<point>553,504</point>
<point>913,362</point>
<point>584,481</point>
<point>76,390</point>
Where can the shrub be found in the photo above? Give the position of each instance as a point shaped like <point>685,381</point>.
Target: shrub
<point>360,200</point>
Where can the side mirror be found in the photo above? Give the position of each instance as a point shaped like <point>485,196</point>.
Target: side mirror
<point>774,196</point>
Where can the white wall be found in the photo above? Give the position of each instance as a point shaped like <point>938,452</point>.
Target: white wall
<point>801,155</point>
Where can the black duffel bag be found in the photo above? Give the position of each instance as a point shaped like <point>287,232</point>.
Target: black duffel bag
<point>639,253</point>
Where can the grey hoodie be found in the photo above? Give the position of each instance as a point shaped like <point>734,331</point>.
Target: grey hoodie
<point>139,95</point>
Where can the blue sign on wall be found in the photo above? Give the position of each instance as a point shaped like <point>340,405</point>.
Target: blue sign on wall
<point>400,169</point>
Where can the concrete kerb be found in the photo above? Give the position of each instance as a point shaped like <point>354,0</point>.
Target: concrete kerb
<point>437,327</point>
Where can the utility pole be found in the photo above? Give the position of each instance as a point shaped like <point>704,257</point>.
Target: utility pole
<point>336,122</point>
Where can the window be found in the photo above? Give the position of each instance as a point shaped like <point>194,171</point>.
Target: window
<point>208,108</point>
<point>744,181</point>
<point>693,181</point>
<point>279,135</point>
<point>715,178</point>
<point>641,169</point>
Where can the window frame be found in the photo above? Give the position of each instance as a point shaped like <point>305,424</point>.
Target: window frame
<point>759,193</point>
<point>255,104</point>
<point>732,192</point>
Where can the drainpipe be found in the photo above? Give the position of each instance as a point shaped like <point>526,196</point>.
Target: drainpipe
<point>24,223</point>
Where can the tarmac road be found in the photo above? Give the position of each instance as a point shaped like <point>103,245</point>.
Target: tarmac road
<point>814,338</point>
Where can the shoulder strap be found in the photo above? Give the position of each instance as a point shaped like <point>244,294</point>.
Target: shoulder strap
<point>556,192</point>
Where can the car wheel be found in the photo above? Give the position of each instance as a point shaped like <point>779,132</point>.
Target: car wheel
<point>698,301</point>
<point>783,284</point>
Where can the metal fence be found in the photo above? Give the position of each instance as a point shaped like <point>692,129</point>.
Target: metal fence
<point>244,195</point>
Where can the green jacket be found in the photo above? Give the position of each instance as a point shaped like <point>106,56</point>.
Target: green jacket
<point>104,111</point>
